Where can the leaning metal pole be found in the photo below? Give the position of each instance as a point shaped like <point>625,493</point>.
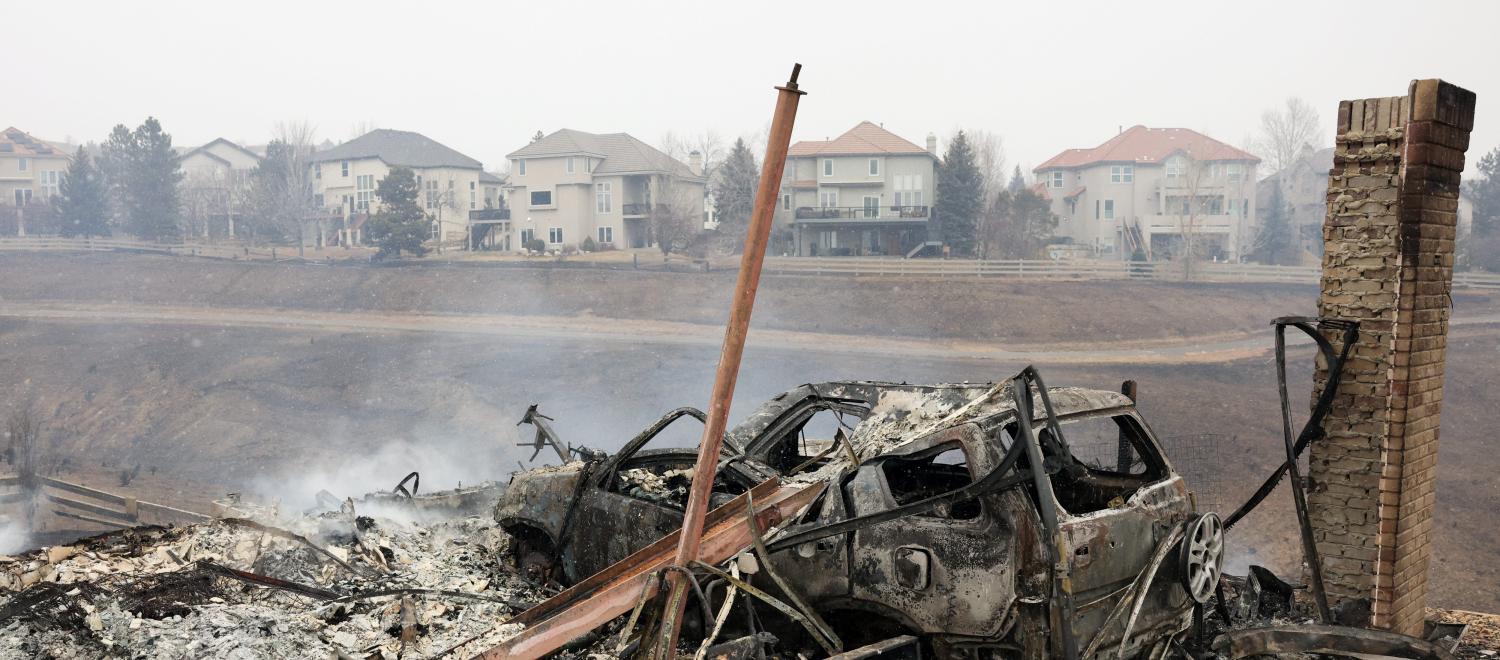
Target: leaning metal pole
<point>729,360</point>
<point>1309,544</point>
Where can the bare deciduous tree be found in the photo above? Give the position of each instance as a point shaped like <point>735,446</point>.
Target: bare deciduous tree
<point>1186,178</point>
<point>284,186</point>
<point>708,144</point>
<point>675,217</point>
<point>1284,132</point>
<point>989,157</point>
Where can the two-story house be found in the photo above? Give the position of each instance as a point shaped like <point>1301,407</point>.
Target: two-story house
<point>866,192</point>
<point>31,170</point>
<point>345,178</point>
<point>216,183</point>
<point>1152,190</point>
<point>1304,187</point>
<point>571,185</point>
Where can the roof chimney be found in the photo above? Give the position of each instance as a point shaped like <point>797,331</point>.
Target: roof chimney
<point>695,162</point>
<point>1119,128</point>
<point>932,143</point>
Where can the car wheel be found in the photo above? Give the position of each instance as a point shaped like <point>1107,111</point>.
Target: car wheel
<point>1203,556</point>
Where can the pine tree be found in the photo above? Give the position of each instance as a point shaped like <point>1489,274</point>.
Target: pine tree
<point>1484,191</point>
<point>1274,244</point>
<point>400,226</point>
<point>1017,182</point>
<point>155,212</point>
<point>116,165</point>
<point>84,202</point>
<point>734,191</point>
<point>960,191</point>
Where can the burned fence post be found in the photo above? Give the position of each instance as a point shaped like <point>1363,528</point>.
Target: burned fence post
<point>1388,264</point>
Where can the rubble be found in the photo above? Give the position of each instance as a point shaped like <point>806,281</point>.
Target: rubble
<point>330,585</point>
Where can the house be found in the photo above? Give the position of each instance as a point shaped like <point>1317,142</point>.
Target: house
<point>1148,188</point>
<point>345,178</point>
<point>571,185</point>
<point>216,184</point>
<point>866,192</point>
<point>1304,186</point>
<point>31,170</point>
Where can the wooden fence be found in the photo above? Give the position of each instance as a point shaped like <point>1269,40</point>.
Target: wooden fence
<point>843,266</point>
<point>79,502</point>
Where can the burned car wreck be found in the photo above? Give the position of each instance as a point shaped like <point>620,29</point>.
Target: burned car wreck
<point>934,522</point>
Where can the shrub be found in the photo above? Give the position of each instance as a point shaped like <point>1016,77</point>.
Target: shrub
<point>589,245</point>
<point>536,245</point>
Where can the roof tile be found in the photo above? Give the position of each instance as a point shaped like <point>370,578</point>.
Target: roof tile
<point>865,138</point>
<point>1144,145</point>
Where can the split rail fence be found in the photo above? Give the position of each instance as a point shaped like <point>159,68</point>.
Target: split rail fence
<point>839,266</point>
<point>79,502</point>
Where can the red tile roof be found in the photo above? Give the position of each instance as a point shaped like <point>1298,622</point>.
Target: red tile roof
<point>16,142</point>
<point>866,138</point>
<point>1142,145</point>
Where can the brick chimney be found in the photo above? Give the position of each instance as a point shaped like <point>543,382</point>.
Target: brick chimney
<point>932,143</point>
<point>1387,263</point>
<point>695,162</point>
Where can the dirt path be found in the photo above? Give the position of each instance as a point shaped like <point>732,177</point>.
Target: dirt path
<point>1213,348</point>
<point>1191,350</point>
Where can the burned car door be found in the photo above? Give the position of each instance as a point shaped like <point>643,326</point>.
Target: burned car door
<point>949,570</point>
<point>636,497</point>
<point>1118,499</point>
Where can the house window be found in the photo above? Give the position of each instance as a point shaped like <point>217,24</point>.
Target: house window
<point>874,167</point>
<point>49,183</point>
<point>872,206</point>
<point>23,196</point>
<point>554,235</point>
<point>1235,172</point>
<point>344,167</point>
<point>1121,173</point>
<point>603,198</point>
<point>473,199</point>
<point>432,194</point>
<point>24,164</point>
<point>606,235</point>
<point>541,198</point>
<point>908,190</point>
<point>1174,168</point>
<point>1057,179</point>
<point>786,201</point>
<point>317,170</point>
<point>521,167</point>
<point>828,199</point>
<point>1109,209</point>
<point>588,164</point>
<point>526,236</point>
<point>827,167</point>
<point>364,190</point>
<point>570,164</point>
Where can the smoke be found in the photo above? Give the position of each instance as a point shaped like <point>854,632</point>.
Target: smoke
<point>15,537</point>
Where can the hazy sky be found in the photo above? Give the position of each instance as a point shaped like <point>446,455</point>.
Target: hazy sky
<point>482,77</point>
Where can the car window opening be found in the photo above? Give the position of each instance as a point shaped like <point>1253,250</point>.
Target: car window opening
<point>942,469</point>
<point>814,442</point>
<point>1110,461</point>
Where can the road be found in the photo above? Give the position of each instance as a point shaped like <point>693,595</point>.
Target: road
<point>1189,350</point>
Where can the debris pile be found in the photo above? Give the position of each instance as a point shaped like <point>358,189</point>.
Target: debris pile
<point>334,585</point>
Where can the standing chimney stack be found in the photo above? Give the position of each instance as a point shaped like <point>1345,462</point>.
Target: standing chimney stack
<point>932,143</point>
<point>695,162</point>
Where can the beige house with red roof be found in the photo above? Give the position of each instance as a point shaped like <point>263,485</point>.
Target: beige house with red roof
<point>30,169</point>
<point>1147,188</point>
<point>866,192</point>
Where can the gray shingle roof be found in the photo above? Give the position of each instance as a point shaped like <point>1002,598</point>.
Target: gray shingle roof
<point>621,153</point>
<point>486,177</point>
<point>398,148</point>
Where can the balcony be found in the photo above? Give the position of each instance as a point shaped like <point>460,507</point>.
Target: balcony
<point>861,212</point>
<point>490,214</point>
<point>630,210</point>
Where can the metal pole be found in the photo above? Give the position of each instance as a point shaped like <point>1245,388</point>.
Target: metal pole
<point>1309,544</point>
<point>729,357</point>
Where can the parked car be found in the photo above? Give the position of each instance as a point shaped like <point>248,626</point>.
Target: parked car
<point>934,522</point>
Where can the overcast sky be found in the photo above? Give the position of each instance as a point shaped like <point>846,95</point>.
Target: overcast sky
<point>482,77</point>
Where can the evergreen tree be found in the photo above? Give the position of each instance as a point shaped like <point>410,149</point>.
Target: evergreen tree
<point>400,226</point>
<point>1017,182</point>
<point>960,196</point>
<point>155,211</point>
<point>84,203</point>
<point>734,191</point>
<point>143,174</point>
<point>1484,191</point>
<point>1274,244</point>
